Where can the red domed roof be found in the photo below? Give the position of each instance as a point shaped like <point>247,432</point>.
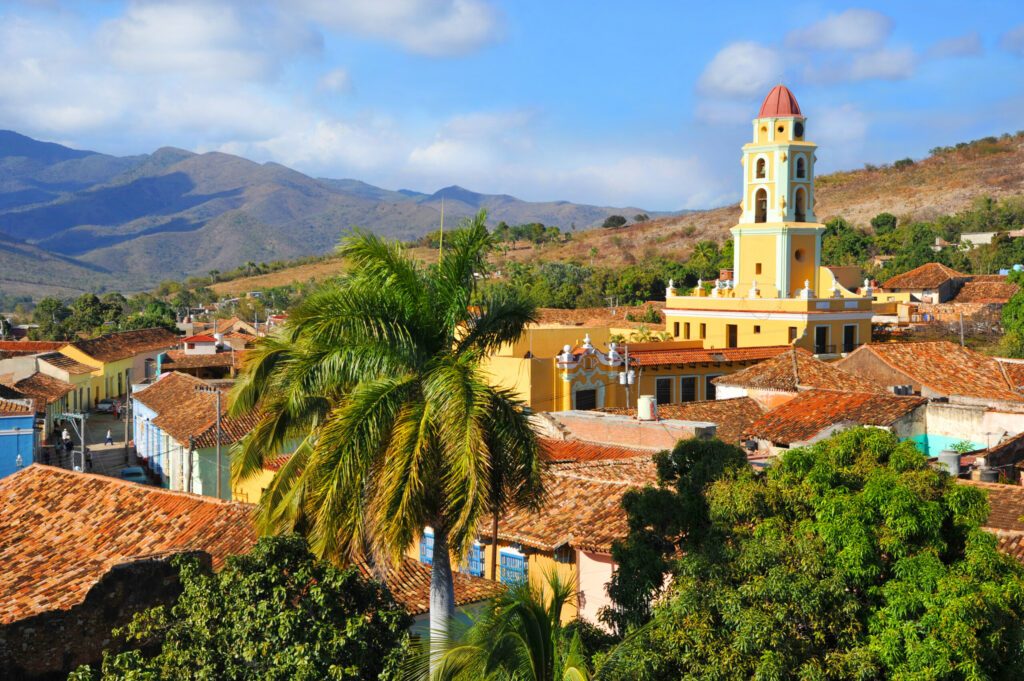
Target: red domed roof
<point>779,102</point>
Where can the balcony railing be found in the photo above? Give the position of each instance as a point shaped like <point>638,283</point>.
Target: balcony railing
<point>824,349</point>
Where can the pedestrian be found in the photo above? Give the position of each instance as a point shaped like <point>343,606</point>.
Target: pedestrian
<point>110,438</point>
<point>66,436</point>
<point>88,459</point>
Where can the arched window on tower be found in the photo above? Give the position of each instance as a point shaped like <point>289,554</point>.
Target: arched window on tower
<point>761,206</point>
<point>801,167</point>
<point>760,172</point>
<point>800,205</point>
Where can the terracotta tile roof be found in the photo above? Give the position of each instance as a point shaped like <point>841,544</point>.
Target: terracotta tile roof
<point>809,413</point>
<point>1012,544</point>
<point>579,450</point>
<point>1014,371</point>
<point>179,359</point>
<point>409,583</point>
<point>66,363</point>
<point>928,276</point>
<point>114,346</point>
<point>16,408</point>
<point>183,411</point>
<point>732,416</point>
<point>797,369</point>
<point>42,388</point>
<point>27,347</point>
<point>61,531</point>
<point>975,291</point>
<point>658,357</point>
<point>946,368</point>
<point>601,316</point>
<point>276,463</point>
<point>582,506</point>
<point>200,338</point>
<point>1006,505</point>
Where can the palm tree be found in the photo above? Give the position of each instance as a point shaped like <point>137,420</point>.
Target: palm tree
<point>519,635</point>
<point>378,379</point>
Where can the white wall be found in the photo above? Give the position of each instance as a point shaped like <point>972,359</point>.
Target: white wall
<point>595,571</point>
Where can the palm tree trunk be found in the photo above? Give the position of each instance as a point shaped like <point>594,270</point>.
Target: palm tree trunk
<point>442,589</point>
<point>494,546</point>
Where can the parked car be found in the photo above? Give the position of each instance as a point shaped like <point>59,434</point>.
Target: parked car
<point>105,407</point>
<point>135,474</point>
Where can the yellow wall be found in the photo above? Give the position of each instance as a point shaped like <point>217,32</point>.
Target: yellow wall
<point>804,270</point>
<point>757,248</point>
<point>103,381</point>
<point>548,341</point>
<point>250,490</point>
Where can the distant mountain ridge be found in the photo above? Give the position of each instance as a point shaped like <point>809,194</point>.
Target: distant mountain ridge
<point>127,222</point>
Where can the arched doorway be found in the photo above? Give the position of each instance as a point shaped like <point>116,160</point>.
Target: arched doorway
<point>800,205</point>
<point>761,206</point>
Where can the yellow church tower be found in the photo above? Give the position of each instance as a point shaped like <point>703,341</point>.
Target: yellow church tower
<point>778,293</point>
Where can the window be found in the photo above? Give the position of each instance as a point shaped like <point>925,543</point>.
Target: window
<point>849,337</point>
<point>709,387</point>
<point>800,205</point>
<point>760,172</point>
<point>686,330</point>
<point>761,206</point>
<point>427,547</point>
<point>586,399</point>
<point>688,389</point>
<point>675,329</point>
<point>792,334</point>
<point>798,255</point>
<point>801,167</point>
<point>663,390</point>
<point>475,562</point>
<point>732,336</point>
<point>782,128</point>
<point>513,567</point>
<point>703,330</point>
<point>757,329</point>
<point>565,554</point>
<point>757,268</point>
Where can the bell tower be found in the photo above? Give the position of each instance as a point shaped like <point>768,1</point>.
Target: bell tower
<point>777,242</point>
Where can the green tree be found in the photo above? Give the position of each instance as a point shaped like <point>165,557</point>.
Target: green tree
<point>275,613</point>
<point>641,217</point>
<point>1013,318</point>
<point>883,223</point>
<point>842,244</point>
<point>378,375</point>
<point>850,559</point>
<point>613,222</point>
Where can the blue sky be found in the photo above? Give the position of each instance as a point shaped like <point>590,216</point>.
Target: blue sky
<point>642,103</point>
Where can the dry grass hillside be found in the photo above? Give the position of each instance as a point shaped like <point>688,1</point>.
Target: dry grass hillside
<point>939,185</point>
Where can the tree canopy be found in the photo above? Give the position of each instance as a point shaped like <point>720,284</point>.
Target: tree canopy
<point>275,613</point>
<point>850,559</point>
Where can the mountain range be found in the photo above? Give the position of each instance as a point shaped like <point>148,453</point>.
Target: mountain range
<point>73,220</point>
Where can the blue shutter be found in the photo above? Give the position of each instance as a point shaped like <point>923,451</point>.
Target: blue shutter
<point>427,548</point>
<point>513,568</point>
<point>476,561</point>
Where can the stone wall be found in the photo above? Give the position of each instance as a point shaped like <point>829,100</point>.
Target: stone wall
<point>978,317</point>
<point>615,429</point>
<point>52,644</point>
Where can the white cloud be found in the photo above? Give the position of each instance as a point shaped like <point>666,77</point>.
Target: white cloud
<point>1013,41</point>
<point>741,69</point>
<point>884,64</point>
<point>429,27</point>
<point>335,80</point>
<point>967,45</point>
<point>854,29</point>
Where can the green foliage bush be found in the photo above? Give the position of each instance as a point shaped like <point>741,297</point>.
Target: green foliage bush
<point>613,221</point>
<point>275,613</point>
<point>850,559</point>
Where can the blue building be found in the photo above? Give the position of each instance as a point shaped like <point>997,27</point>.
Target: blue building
<point>17,435</point>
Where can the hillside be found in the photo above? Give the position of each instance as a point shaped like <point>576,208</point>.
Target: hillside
<point>941,184</point>
<point>133,221</point>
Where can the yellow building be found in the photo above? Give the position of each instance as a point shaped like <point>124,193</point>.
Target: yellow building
<point>778,292</point>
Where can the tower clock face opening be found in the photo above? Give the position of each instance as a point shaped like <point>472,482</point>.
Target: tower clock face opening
<point>798,129</point>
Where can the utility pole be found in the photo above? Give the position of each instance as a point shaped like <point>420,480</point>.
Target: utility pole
<point>961,329</point>
<point>191,450</point>
<point>216,394</point>
<point>628,376</point>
